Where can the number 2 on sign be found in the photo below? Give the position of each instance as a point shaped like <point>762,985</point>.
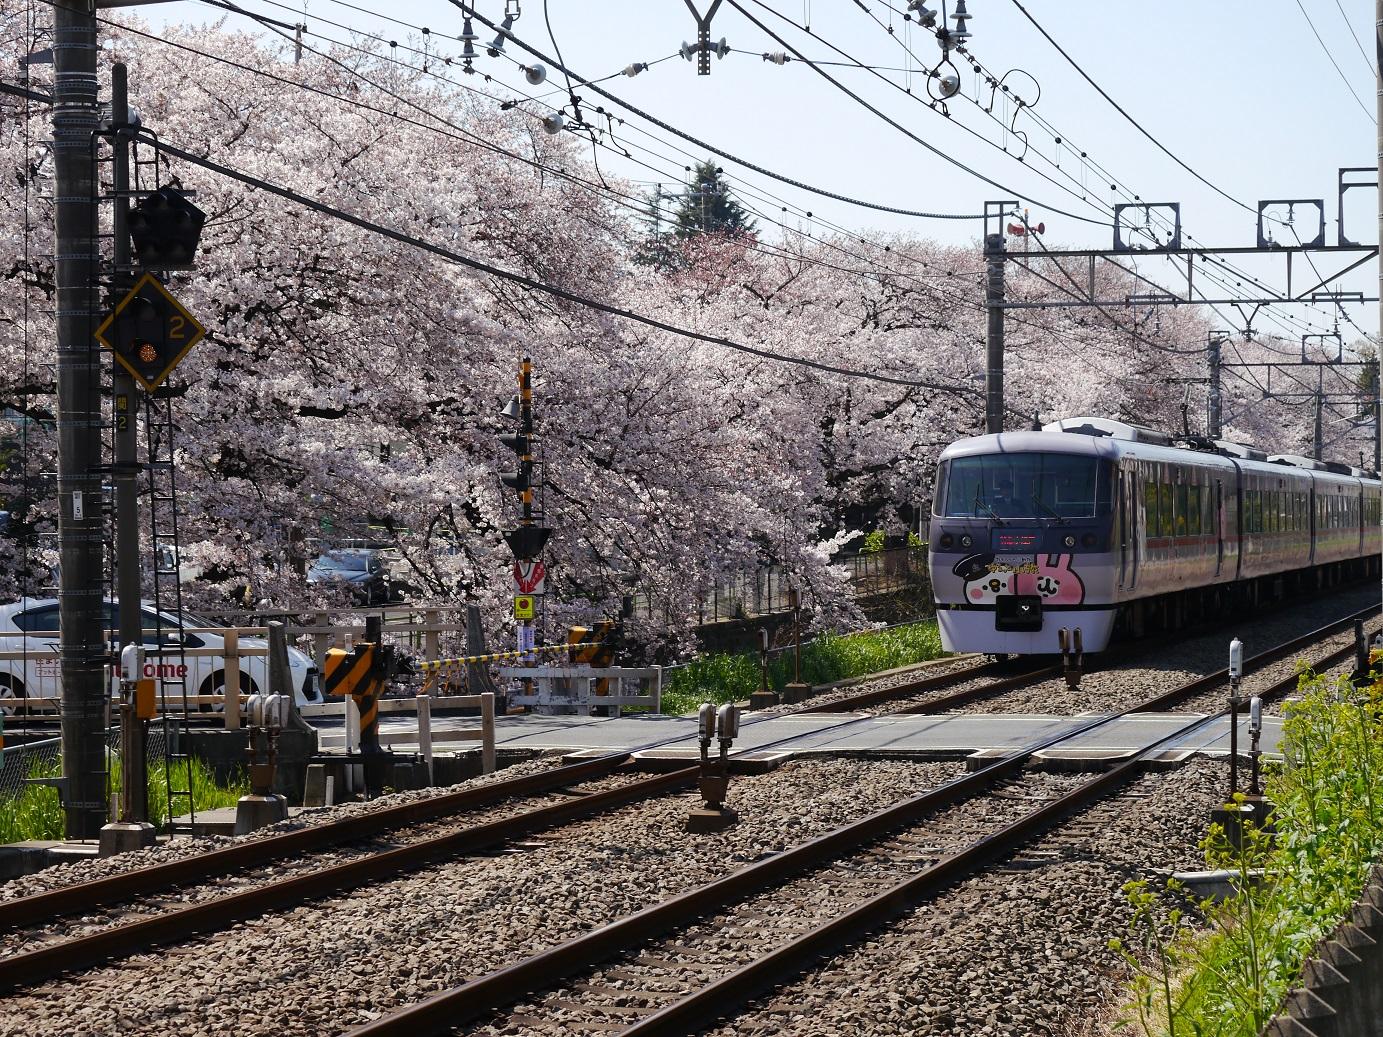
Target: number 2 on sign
<point>176,324</point>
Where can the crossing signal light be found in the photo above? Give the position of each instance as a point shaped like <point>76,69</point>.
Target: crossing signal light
<point>522,480</point>
<point>165,229</point>
<point>527,541</point>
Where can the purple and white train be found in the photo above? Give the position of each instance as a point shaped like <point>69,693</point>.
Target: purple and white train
<point>1096,525</point>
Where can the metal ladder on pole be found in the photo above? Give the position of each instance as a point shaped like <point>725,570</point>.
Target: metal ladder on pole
<point>170,663</point>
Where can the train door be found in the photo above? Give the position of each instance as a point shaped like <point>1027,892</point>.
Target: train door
<point>1219,527</point>
<point>1128,555</point>
<point>1122,506</point>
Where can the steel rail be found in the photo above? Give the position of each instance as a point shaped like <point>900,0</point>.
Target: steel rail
<point>912,687</point>
<point>40,908</point>
<point>29,967</point>
<point>44,907</point>
<point>689,1014</point>
<point>489,992</point>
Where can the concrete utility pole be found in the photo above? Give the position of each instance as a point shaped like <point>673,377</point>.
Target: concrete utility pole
<point>122,382</point>
<point>1378,68</point>
<point>1317,446</point>
<point>126,474</point>
<point>81,616</point>
<point>1215,418</point>
<point>994,342</point>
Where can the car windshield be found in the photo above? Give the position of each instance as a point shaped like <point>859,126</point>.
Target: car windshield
<point>1023,486</point>
<point>345,563</point>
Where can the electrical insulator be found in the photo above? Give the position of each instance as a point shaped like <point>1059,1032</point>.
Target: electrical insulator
<point>778,57</point>
<point>633,70</point>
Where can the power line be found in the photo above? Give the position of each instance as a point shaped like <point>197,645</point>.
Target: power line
<point>1362,53</point>
<point>530,282</point>
<point>1343,78</point>
<point>1122,111</point>
<point>711,147</point>
<point>908,51</point>
<point>899,126</point>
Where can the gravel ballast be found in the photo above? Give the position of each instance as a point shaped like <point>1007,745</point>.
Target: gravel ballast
<point>322,967</point>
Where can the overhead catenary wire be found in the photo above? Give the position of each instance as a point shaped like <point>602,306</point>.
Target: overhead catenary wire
<point>1331,57</point>
<point>533,283</point>
<point>952,160</point>
<point>654,120</point>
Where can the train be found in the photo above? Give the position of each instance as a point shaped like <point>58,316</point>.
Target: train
<point>1091,528</point>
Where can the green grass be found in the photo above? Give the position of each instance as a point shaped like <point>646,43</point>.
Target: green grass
<point>730,678</point>
<point>1222,970</point>
<point>35,814</point>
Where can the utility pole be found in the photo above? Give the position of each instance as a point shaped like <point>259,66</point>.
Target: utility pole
<point>1317,436</point>
<point>994,342</point>
<point>81,615</point>
<point>122,382</point>
<point>1216,416</point>
<point>1378,69</point>
<point>126,470</point>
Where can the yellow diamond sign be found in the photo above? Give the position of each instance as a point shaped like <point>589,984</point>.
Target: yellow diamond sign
<point>150,332</point>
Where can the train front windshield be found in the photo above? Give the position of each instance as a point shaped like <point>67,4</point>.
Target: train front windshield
<point>1024,486</point>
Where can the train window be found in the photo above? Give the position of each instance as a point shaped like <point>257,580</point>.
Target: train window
<point>1150,508</point>
<point>1179,496</point>
<point>1027,486</point>
<point>1166,514</point>
<point>1193,510</point>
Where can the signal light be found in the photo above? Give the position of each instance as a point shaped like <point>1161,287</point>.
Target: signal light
<point>165,229</point>
<point>517,443</point>
<point>527,541</point>
<point>521,480</point>
<point>947,540</point>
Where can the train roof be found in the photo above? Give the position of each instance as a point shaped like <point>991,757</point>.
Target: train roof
<point>1108,439</point>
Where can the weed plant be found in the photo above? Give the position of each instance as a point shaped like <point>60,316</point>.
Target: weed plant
<point>1227,974</point>
<point>734,677</point>
<point>35,813</point>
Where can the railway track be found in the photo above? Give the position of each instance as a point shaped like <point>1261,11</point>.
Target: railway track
<point>576,792</point>
<point>741,930</point>
<point>134,928</point>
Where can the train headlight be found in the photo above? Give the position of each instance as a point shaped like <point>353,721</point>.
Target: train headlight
<point>1088,540</point>
<point>965,540</point>
<point>1069,540</point>
<point>947,541</point>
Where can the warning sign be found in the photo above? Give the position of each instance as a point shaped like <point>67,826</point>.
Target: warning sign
<point>523,606</point>
<point>529,577</point>
<point>150,332</point>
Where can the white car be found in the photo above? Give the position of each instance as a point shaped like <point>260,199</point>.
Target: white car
<point>31,624</point>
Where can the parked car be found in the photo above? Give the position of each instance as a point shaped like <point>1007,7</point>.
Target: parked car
<point>361,569</point>
<point>31,624</point>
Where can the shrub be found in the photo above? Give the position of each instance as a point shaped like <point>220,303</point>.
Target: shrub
<point>1229,976</point>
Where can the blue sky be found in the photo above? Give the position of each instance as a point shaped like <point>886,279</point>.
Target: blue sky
<point>1240,91</point>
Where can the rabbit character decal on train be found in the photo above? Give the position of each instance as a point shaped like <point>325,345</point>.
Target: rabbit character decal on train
<point>1049,577</point>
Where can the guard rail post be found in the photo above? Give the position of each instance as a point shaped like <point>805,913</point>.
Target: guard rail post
<point>487,732</point>
<point>320,643</point>
<point>231,680</point>
<point>432,638</point>
<point>425,731</point>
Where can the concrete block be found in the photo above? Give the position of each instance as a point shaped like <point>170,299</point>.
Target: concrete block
<point>1309,1009</point>
<point>1285,1026</point>
<point>795,692</point>
<point>315,786</point>
<point>762,700</point>
<point>255,812</point>
<point>121,836</point>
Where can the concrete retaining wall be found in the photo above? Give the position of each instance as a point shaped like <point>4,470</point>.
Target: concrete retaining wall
<point>1342,984</point>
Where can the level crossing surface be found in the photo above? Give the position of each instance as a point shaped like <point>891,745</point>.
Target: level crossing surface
<point>924,736</point>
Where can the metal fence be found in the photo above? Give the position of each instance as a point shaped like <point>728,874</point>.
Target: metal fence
<point>766,591</point>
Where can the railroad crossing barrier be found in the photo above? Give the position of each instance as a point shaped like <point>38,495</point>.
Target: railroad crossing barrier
<point>564,690</point>
<point>422,734</point>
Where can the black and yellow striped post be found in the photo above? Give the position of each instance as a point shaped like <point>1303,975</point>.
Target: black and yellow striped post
<point>363,673</point>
